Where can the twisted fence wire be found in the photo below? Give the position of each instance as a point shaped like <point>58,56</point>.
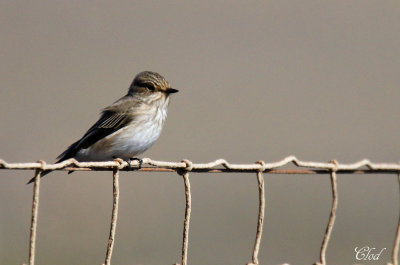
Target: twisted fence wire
<point>35,211</point>
<point>114,217</point>
<point>219,166</point>
<point>186,223</point>
<point>395,252</point>
<point>261,210</point>
<point>332,217</point>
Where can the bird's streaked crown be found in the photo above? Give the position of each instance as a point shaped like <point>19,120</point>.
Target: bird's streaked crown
<point>148,81</point>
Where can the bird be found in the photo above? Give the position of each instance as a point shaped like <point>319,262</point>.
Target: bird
<point>129,126</point>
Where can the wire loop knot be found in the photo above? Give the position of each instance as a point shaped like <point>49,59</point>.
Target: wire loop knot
<point>189,164</point>
<point>188,167</point>
<point>120,163</point>
<point>263,167</point>
<point>42,164</point>
<point>335,165</point>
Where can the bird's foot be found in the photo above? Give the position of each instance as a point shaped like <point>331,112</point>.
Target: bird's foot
<point>137,159</point>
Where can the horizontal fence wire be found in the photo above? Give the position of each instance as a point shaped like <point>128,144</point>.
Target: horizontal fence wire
<point>184,167</point>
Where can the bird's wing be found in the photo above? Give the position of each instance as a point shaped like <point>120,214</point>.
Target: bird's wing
<point>112,119</point>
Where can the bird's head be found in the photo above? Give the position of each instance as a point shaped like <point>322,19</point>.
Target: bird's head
<point>149,83</point>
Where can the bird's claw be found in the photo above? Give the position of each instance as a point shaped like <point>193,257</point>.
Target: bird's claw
<point>137,159</point>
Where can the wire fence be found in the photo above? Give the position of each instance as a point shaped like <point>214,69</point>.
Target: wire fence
<point>185,167</point>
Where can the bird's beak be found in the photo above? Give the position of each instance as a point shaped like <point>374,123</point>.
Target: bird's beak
<point>172,90</point>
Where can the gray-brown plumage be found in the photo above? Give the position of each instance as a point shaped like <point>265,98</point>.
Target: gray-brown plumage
<point>129,126</point>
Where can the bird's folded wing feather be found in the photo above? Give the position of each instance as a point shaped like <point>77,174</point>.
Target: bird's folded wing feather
<point>112,119</point>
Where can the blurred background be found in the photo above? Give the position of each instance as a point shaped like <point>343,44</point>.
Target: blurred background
<point>257,80</point>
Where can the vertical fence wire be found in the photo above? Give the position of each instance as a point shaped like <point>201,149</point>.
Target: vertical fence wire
<point>114,217</point>
<point>186,223</point>
<point>331,221</point>
<point>395,253</point>
<point>35,210</point>
<point>261,210</point>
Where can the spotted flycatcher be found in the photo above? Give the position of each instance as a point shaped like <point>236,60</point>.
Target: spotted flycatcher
<point>129,126</point>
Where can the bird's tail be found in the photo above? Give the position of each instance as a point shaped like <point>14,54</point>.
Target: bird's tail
<point>44,173</point>
<point>64,156</point>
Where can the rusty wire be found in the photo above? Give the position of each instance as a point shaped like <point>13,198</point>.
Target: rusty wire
<point>114,217</point>
<point>219,166</point>
<point>35,211</point>
<point>186,223</point>
<point>261,210</point>
<point>395,252</point>
<point>332,218</point>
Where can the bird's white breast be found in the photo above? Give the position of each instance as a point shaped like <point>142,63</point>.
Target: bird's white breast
<point>132,140</point>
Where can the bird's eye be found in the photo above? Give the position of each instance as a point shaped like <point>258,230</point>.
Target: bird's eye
<point>148,86</point>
